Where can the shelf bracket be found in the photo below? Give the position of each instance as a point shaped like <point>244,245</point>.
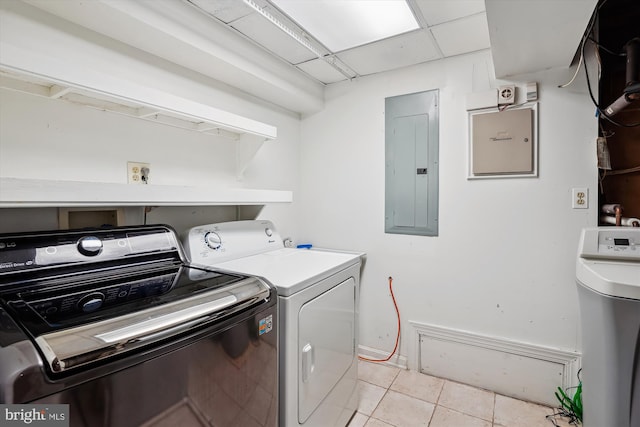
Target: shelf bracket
<point>246,149</point>
<point>57,91</point>
<point>146,112</point>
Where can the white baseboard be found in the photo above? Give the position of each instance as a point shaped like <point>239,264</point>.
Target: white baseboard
<point>372,353</point>
<point>525,371</point>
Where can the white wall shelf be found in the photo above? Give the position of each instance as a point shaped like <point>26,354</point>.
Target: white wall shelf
<point>140,103</point>
<point>26,193</point>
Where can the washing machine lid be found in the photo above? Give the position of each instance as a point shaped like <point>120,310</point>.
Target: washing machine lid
<point>291,270</point>
<point>610,278</point>
<point>609,261</point>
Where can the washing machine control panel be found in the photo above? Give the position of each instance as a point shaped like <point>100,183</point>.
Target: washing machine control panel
<point>611,243</point>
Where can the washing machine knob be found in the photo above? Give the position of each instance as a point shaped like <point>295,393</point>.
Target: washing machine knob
<point>91,302</point>
<point>268,232</point>
<point>89,246</point>
<point>213,240</point>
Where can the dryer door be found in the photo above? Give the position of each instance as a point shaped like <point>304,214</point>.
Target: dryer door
<point>326,344</point>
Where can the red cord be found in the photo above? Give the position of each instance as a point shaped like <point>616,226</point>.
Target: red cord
<point>397,336</point>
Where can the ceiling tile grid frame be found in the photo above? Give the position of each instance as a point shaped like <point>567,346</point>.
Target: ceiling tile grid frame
<point>167,29</point>
<point>341,25</point>
<point>226,11</point>
<point>322,71</point>
<point>462,35</point>
<point>272,38</point>
<point>394,52</point>
<point>440,11</point>
<point>447,28</point>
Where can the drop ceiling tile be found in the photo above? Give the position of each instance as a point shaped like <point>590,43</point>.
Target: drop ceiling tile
<point>322,71</point>
<point>463,35</point>
<point>225,10</point>
<point>439,11</point>
<point>400,51</point>
<point>272,38</point>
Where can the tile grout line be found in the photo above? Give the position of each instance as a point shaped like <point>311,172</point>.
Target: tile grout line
<point>460,411</point>
<point>435,405</point>
<point>380,401</point>
<point>493,413</point>
<point>493,416</point>
<point>465,414</point>
<point>386,390</point>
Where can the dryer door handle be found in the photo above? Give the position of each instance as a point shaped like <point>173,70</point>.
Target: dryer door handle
<point>308,362</point>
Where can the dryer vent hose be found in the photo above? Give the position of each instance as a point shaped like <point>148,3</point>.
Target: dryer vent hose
<point>395,304</point>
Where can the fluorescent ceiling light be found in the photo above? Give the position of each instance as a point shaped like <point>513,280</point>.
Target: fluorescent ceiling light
<point>275,21</point>
<point>343,24</point>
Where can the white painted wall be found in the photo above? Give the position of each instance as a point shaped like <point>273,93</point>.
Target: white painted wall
<point>54,139</point>
<point>503,263</point>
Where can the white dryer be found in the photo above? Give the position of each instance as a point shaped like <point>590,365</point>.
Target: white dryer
<point>318,296</point>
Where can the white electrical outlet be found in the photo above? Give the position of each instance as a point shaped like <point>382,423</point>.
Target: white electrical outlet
<point>506,94</point>
<point>138,173</point>
<point>580,198</point>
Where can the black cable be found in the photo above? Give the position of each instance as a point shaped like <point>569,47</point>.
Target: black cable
<point>587,36</point>
<point>593,99</point>
<point>574,418</point>
<point>609,51</point>
<point>582,49</point>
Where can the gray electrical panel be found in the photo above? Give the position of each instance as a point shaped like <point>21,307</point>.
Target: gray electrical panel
<point>411,164</point>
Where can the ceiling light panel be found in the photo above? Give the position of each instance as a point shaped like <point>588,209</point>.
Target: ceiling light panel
<point>439,11</point>
<point>340,24</point>
<point>463,35</point>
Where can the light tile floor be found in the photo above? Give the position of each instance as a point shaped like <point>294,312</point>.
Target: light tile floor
<point>393,397</point>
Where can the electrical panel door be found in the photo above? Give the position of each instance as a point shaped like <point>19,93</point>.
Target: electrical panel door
<point>411,172</point>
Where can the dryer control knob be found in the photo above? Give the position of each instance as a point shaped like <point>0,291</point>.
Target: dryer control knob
<point>268,232</point>
<point>213,240</point>
<point>89,246</point>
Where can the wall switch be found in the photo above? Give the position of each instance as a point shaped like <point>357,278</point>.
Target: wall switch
<point>580,198</point>
<point>138,173</point>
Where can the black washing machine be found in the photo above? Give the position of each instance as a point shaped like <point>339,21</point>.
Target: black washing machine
<point>118,326</point>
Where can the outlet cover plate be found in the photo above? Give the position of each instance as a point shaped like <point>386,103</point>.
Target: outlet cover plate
<point>580,198</point>
<point>135,173</point>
